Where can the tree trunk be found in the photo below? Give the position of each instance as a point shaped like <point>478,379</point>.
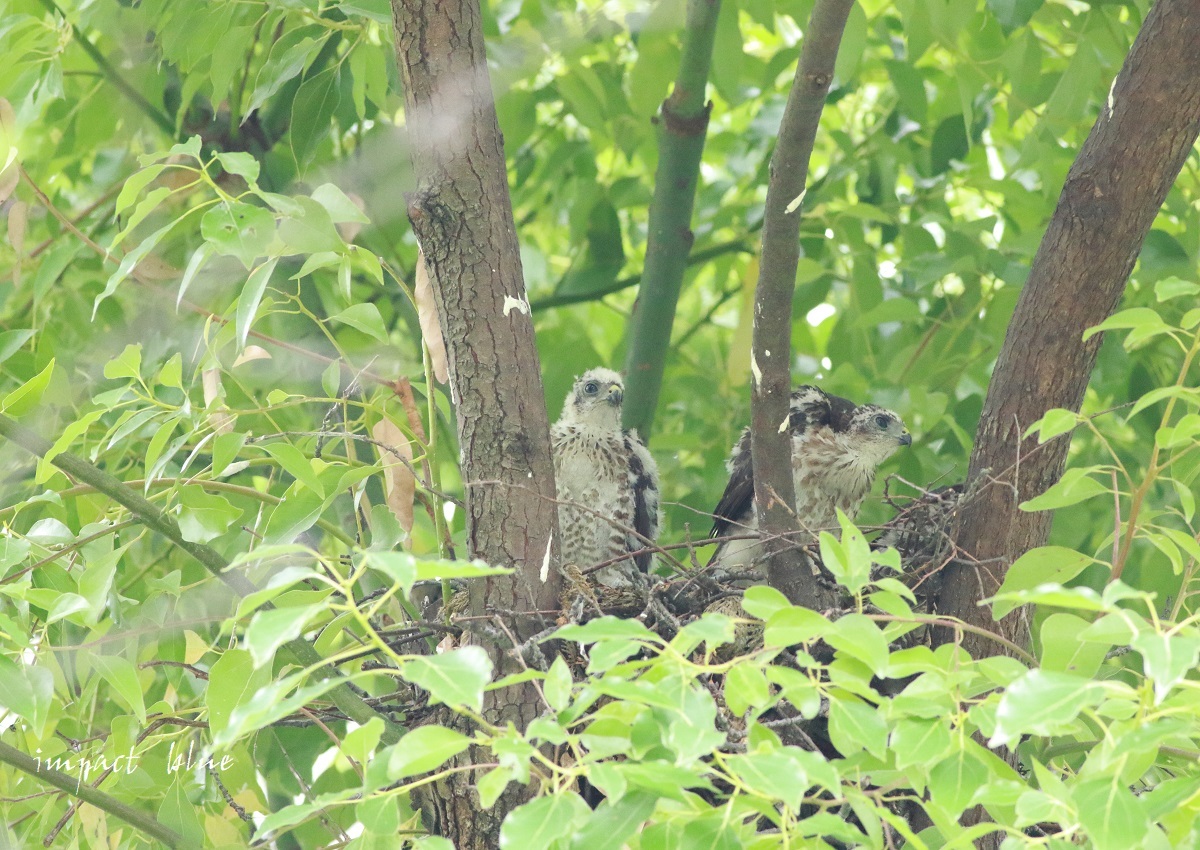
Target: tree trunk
<point>1112,193</point>
<point>462,216</point>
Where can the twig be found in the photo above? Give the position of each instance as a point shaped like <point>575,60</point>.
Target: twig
<point>134,817</point>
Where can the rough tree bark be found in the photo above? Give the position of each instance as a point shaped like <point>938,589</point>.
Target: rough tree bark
<point>462,216</point>
<point>771,354</point>
<point>1112,193</point>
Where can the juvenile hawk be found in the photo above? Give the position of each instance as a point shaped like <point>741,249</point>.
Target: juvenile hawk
<point>836,448</point>
<point>603,473</point>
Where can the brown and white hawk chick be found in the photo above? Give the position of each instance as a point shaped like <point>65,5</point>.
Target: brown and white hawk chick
<point>603,473</point>
<point>836,448</point>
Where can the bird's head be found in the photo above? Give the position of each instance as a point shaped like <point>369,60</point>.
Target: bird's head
<point>878,432</point>
<point>595,399</point>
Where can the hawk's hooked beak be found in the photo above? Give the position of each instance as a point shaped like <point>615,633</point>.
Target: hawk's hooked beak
<point>615,394</point>
<point>906,439</point>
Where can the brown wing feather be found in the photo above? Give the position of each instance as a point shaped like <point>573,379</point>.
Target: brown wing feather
<point>809,407</point>
<point>645,502</point>
<point>735,502</point>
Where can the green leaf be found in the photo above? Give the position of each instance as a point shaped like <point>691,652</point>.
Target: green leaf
<point>232,682</point>
<point>1074,487</point>
<point>204,516</point>
<point>1167,658</point>
<point>251,297</point>
<point>762,601</point>
<point>557,685</point>
<point>178,813</point>
<point>225,449</point>
<point>1065,650</point>
<point>295,464</point>
<point>11,342</point>
<point>26,690</point>
<point>315,102</point>
<point>26,397</point>
<point>271,629</point>
<point>539,824</point>
<point>1043,702</point>
<point>146,206</point>
<point>614,822</point>
<point>311,231</point>
<point>379,815</point>
<point>456,678</point>
<point>338,205</point>
<point>269,704</point>
<point>1173,287</point>
<point>363,317</point>
<point>1142,322</point>
<point>239,163</point>
<point>122,676</point>
<point>239,230</point>
<point>775,775</point>
<point>128,364</point>
<point>920,742</point>
<point>1013,14</point>
<point>849,560</point>
<point>1114,818</point>
<point>855,726</point>
<point>952,782</point>
<point>1182,433</point>
<point>424,749</point>
<point>171,373</point>
<point>1055,422</point>
<point>492,784</point>
<point>134,186</point>
<point>198,259</point>
<point>289,57</point>
<point>1043,565</point>
<point>792,626</point>
<point>712,628</point>
<point>861,638</point>
<point>1184,394</point>
<point>746,687</point>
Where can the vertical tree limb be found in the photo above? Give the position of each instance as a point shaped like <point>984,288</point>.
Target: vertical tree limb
<point>771,350</point>
<point>683,124</point>
<point>1136,149</point>
<point>462,216</point>
<point>143,821</point>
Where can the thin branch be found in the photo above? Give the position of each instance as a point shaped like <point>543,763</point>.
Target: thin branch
<point>770,357</point>
<point>735,246</point>
<point>683,124</point>
<point>134,817</point>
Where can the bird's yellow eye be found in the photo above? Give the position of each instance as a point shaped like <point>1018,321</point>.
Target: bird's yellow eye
<point>591,388</point>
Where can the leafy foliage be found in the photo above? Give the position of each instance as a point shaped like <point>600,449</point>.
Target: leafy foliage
<point>212,300</point>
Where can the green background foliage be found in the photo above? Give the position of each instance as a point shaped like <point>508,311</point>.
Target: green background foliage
<point>234,172</point>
